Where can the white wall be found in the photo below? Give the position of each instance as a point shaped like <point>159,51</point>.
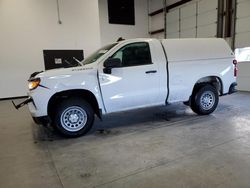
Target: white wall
<point>29,26</point>
<point>111,32</point>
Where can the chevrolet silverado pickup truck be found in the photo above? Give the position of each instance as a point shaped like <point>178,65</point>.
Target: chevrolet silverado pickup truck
<point>132,74</point>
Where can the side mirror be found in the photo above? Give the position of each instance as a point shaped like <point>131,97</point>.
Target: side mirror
<point>111,63</point>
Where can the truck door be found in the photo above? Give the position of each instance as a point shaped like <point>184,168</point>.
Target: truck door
<point>133,84</point>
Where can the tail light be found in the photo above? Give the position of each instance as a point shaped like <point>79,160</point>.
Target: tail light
<point>235,68</point>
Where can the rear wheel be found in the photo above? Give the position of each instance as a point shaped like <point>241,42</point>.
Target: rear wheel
<point>74,117</point>
<point>204,99</point>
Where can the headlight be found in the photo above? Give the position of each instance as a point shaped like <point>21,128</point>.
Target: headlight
<point>34,83</point>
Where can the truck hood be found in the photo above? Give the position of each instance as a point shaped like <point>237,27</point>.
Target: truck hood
<point>66,72</point>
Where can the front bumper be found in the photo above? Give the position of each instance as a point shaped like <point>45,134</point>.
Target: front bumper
<point>37,104</point>
<point>17,106</point>
<point>44,120</point>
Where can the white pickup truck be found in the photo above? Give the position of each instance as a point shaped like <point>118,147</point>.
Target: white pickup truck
<point>133,74</point>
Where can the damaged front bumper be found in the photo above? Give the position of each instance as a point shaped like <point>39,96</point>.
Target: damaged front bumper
<point>17,106</point>
<point>44,120</point>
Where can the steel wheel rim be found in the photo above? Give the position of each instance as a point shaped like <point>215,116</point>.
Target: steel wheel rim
<point>207,100</point>
<point>73,118</point>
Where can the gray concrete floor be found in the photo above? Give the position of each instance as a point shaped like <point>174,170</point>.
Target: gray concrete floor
<point>156,147</point>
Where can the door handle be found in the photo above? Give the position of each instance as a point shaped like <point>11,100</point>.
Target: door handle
<point>151,71</point>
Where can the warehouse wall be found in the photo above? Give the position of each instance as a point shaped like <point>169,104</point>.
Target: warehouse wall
<point>111,32</point>
<point>29,26</point>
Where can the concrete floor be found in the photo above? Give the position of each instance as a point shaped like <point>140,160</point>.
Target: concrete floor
<point>157,147</point>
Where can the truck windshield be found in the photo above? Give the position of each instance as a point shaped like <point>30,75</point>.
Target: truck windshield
<point>96,55</point>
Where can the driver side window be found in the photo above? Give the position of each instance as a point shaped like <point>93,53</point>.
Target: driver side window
<point>134,54</point>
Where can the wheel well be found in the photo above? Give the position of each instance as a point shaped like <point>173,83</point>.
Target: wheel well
<point>213,80</point>
<point>78,93</point>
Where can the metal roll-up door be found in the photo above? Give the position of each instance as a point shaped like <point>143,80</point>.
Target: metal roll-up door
<point>188,21</point>
<point>242,34</point>
<point>242,43</point>
<point>157,23</point>
<point>173,30</point>
<point>207,18</point>
<point>181,22</point>
<point>194,19</point>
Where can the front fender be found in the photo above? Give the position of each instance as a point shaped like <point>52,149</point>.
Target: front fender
<point>56,84</point>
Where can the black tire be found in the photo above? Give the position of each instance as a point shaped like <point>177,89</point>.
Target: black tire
<point>74,117</point>
<point>204,99</point>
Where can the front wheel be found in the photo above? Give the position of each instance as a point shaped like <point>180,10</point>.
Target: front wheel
<point>74,117</point>
<point>204,100</point>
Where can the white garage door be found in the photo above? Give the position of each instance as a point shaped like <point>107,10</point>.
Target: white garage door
<point>197,18</point>
<point>242,43</point>
<point>188,20</point>
<point>207,18</point>
<point>242,36</point>
<point>157,23</point>
<point>194,19</point>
